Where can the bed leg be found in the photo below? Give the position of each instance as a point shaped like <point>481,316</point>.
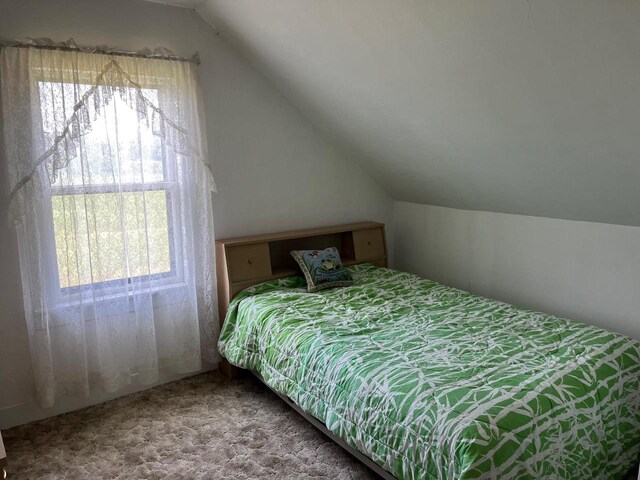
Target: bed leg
<point>228,370</point>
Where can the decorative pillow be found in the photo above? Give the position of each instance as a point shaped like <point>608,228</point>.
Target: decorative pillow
<point>322,268</point>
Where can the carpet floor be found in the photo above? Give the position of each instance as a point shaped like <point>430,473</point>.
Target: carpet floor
<point>204,427</point>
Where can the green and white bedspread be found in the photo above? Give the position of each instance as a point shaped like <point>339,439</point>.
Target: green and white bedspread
<point>433,382</point>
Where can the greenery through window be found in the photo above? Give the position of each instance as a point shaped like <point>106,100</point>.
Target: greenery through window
<point>112,212</point>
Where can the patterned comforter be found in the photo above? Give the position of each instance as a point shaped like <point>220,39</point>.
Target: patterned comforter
<point>436,383</point>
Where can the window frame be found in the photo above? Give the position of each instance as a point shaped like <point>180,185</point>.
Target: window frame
<point>170,276</point>
<point>175,277</point>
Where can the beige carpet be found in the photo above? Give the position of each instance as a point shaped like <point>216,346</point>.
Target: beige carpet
<point>201,427</point>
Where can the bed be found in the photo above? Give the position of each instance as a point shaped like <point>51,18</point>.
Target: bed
<point>425,381</point>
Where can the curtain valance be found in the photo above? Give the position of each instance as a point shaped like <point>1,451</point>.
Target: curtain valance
<point>101,76</point>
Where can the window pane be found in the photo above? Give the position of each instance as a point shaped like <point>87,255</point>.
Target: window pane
<point>118,147</point>
<point>109,236</point>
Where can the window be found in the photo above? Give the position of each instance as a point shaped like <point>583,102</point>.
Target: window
<point>111,200</point>
<point>112,209</point>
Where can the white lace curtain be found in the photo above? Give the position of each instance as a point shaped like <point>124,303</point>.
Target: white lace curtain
<point>111,199</point>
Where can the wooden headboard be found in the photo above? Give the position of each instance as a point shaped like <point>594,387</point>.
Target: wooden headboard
<point>245,261</point>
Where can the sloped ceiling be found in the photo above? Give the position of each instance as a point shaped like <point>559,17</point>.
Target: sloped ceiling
<point>528,107</point>
<point>192,4</point>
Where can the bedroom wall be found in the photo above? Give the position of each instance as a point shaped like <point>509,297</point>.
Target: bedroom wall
<point>580,270</point>
<point>273,170</point>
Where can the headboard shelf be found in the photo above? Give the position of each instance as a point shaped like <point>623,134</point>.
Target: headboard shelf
<point>246,261</point>
<point>297,234</point>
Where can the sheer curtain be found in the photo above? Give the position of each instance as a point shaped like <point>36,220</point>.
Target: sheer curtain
<point>111,199</point>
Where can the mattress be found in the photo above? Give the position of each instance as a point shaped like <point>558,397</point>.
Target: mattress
<point>432,382</point>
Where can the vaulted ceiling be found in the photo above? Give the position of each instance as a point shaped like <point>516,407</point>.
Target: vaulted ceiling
<point>518,106</point>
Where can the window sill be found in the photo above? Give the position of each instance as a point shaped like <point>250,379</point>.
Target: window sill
<point>113,304</point>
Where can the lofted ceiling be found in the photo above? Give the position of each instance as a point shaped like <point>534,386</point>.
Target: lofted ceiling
<point>519,106</point>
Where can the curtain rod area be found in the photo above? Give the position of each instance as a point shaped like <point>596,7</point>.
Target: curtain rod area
<point>159,53</point>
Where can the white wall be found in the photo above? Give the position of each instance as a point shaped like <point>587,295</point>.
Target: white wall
<point>273,171</point>
<point>579,270</point>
